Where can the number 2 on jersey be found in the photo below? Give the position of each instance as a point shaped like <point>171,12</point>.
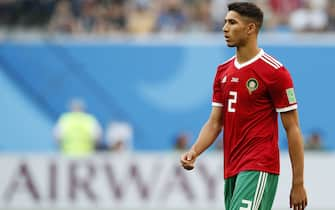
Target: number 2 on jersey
<point>232,101</point>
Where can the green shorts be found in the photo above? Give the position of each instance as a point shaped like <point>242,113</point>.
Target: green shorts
<point>250,190</point>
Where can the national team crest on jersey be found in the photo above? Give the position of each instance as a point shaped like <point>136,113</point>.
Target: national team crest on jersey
<point>252,85</point>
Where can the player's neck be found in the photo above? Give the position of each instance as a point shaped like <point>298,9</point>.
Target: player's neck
<point>247,52</point>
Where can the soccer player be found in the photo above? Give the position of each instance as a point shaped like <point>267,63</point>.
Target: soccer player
<point>248,92</point>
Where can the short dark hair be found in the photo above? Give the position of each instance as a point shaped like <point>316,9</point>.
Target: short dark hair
<point>248,9</point>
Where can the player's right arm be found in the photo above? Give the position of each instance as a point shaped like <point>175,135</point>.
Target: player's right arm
<point>207,135</point>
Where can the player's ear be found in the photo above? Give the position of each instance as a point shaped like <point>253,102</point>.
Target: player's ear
<point>252,28</point>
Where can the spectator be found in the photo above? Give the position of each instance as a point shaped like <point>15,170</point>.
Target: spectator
<point>141,19</point>
<point>331,15</point>
<point>76,131</point>
<point>172,17</point>
<point>119,136</point>
<point>62,20</point>
<point>200,18</point>
<point>182,141</point>
<point>271,22</point>
<point>101,25</point>
<point>87,19</point>
<point>309,18</point>
<point>281,9</point>
<point>314,142</point>
<point>116,16</point>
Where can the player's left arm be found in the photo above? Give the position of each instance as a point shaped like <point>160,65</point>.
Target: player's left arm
<point>298,196</point>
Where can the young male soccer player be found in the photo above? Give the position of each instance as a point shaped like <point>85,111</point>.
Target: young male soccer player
<point>248,91</point>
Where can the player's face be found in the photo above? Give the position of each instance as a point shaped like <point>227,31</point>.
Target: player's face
<point>235,29</point>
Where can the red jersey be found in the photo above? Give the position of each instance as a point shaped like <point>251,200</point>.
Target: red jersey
<point>251,94</point>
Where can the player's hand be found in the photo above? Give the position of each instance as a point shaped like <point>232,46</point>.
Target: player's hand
<point>298,197</point>
<point>187,160</point>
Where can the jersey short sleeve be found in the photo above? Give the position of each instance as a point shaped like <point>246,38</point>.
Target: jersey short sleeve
<point>282,91</point>
<point>217,99</point>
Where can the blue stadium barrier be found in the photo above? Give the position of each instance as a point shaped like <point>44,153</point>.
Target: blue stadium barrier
<point>162,89</point>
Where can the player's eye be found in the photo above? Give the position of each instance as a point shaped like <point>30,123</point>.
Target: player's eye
<point>232,22</point>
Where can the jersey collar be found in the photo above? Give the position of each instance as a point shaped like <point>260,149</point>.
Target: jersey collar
<point>239,66</point>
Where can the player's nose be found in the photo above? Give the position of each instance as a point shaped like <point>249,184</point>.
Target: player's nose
<point>225,28</point>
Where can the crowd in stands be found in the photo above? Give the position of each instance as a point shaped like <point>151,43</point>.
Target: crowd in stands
<point>157,16</point>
